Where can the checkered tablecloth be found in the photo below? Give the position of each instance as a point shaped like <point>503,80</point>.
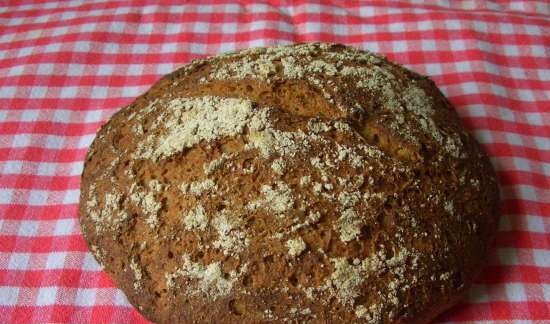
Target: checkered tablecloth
<point>66,66</point>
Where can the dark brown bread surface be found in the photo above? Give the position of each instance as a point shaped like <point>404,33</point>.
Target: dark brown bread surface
<point>312,183</point>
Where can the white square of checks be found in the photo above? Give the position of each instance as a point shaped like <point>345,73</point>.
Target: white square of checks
<point>85,297</point>
<point>46,296</point>
<point>64,227</point>
<point>8,296</point>
<point>28,228</point>
<point>19,261</point>
<point>56,260</point>
<point>541,257</point>
<point>515,292</point>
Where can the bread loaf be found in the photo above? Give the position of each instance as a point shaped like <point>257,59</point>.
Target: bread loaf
<point>310,183</point>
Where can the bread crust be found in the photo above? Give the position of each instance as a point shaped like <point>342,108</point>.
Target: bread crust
<point>311,183</point>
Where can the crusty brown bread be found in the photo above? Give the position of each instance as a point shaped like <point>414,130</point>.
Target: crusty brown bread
<point>311,183</point>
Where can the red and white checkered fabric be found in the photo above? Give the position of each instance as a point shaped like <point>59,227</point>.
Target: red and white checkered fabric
<point>66,66</point>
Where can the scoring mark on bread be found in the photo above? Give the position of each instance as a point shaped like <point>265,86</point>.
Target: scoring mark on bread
<point>382,84</point>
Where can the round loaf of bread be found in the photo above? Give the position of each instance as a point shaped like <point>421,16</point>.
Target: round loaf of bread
<point>310,183</point>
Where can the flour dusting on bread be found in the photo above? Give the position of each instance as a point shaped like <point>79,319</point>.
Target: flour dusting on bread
<point>303,183</point>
